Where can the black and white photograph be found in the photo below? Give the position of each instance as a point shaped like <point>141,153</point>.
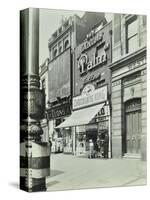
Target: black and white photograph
<point>83,99</point>
<point>74,100</point>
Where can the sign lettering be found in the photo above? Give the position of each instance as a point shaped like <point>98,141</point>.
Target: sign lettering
<point>59,112</point>
<point>97,96</point>
<point>85,66</point>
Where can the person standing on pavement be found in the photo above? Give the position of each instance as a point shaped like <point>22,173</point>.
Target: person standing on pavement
<point>91,148</point>
<point>50,144</point>
<point>106,141</point>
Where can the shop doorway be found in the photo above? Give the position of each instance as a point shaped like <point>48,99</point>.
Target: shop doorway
<point>91,134</point>
<point>133,126</point>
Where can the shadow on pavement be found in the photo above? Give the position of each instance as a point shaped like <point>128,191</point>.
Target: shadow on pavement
<point>55,172</point>
<point>14,184</point>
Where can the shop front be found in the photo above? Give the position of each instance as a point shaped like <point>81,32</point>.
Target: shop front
<point>89,122</point>
<point>61,139</point>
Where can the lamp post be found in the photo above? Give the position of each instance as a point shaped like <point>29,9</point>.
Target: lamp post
<point>34,154</point>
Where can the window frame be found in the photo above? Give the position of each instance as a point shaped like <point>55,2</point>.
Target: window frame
<point>127,39</point>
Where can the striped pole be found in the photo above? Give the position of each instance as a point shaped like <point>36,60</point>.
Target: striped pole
<point>34,154</point>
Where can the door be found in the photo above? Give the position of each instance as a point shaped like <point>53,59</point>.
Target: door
<point>133,127</point>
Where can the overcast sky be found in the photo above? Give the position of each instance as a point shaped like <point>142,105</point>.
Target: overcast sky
<point>50,20</point>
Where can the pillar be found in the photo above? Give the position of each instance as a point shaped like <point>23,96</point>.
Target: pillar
<point>144,116</point>
<point>34,154</point>
<point>116,119</point>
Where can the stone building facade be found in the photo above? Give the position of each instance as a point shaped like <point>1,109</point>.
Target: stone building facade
<point>129,88</point>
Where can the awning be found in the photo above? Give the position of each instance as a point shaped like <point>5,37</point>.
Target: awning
<point>81,117</point>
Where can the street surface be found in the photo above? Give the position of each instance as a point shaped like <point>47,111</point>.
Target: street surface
<point>71,172</point>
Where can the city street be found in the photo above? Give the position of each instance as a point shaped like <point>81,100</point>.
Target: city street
<point>71,172</point>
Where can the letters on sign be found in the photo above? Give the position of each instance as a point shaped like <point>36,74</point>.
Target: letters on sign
<point>84,65</point>
<point>97,96</point>
<point>59,112</point>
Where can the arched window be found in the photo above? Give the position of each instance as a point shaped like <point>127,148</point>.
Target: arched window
<point>66,44</point>
<point>55,53</point>
<point>60,49</point>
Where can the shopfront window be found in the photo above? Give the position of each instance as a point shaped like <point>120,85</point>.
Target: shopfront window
<point>67,140</point>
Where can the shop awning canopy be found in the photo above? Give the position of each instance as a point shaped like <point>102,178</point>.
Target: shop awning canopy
<point>81,117</point>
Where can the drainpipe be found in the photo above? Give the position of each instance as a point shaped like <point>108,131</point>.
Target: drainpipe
<point>109,131</point>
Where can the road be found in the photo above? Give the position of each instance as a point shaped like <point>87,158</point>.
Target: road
<point>72,172</point>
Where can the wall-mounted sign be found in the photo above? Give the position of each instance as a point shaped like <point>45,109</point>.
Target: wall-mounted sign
<point>130,67</point>
<point>93,77</point>
<point>92,40</point>
<point>59,111</point>
<point>104,111</point>
<point>92,58</point>
<point>95,97</point>
<point>85,65</point>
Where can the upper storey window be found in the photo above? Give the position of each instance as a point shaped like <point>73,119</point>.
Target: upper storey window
<point>66,45</point>
<point>132,35</point>
<point>54,52</point>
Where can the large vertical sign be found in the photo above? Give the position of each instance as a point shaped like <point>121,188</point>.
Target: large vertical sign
<point>59,76</point>
<point>92,58</point>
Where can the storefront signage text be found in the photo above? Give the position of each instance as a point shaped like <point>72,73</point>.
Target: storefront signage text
<point>59,112</point>
<point>97,96</point>
<point>91,41</point>
<point>94,77</point>
<point>130,67</point>
<point>137,64</point>
<point>84,65</point>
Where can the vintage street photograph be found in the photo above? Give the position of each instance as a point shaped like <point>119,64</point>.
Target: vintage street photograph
<point>83,98</point>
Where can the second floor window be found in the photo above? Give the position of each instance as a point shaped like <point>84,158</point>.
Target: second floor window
<point>132,35</point>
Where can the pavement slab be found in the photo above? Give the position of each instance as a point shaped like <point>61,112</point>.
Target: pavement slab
<point>72,172</point>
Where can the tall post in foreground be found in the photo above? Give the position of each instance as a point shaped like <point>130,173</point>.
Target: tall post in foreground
<point>34,154</point>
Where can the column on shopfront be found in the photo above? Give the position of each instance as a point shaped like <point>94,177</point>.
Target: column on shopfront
<point>144,115</point>
<point>116,119</point>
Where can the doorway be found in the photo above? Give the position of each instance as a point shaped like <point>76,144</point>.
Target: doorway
<point>133,126</point>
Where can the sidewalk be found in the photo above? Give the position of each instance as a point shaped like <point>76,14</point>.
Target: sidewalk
<point>71,172</point>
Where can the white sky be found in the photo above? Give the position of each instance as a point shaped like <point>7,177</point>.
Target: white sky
<point>49,22</point>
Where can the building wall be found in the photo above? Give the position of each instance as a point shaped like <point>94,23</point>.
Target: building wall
<point>125,85</point>
<point>59,76</point>
<point>119,23</point>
